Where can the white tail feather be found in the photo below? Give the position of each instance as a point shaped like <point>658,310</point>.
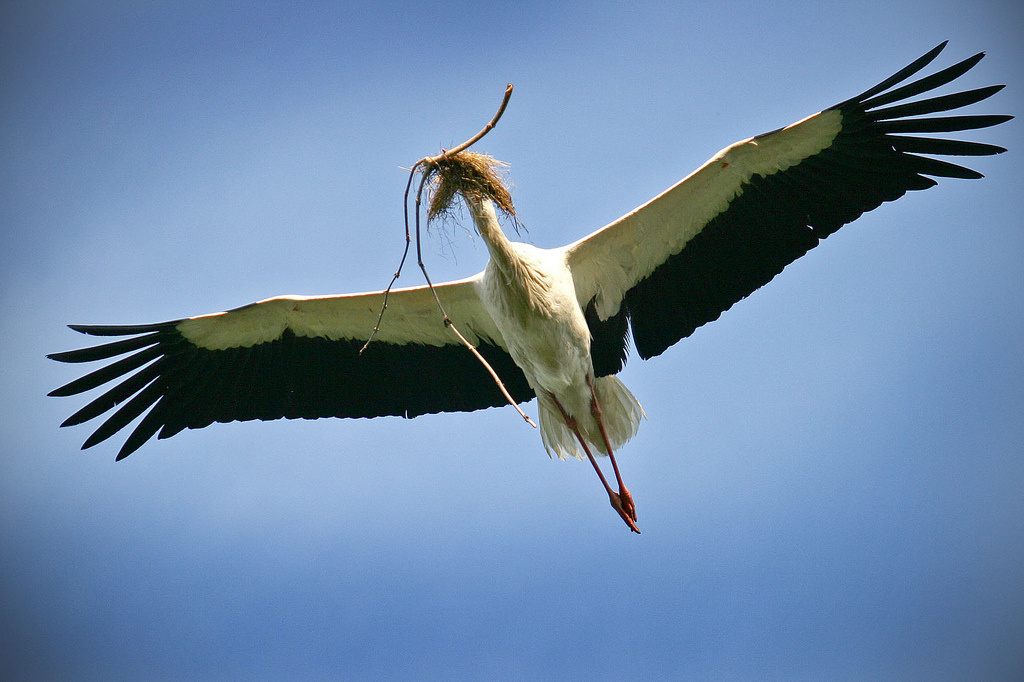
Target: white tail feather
<point>622,413</point>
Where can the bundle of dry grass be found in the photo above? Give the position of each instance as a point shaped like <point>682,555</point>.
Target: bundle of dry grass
<point>466,173</point>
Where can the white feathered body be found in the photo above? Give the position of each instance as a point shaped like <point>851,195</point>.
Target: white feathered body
<point>530,295</point>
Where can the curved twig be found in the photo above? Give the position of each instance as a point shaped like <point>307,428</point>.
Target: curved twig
<point>425,163</point>
<point>401,264</point>
<point>429,161</point>
<point>476,138</point>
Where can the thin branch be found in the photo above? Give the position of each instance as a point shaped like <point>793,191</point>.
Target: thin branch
<point>494,375</point>
<point>401,263</point>
<point>427,162</point>
<point>430,160</point>
<point>447,320</point>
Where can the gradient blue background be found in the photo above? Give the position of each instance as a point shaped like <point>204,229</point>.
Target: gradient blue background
<point>831,481</point>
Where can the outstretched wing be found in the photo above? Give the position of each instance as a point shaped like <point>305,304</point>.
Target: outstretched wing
<point>293,357</point>
<point>683,258</point>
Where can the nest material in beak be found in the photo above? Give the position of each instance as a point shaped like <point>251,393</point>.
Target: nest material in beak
<point>468,174</point>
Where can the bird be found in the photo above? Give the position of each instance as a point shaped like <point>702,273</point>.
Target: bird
<point>552,324</point>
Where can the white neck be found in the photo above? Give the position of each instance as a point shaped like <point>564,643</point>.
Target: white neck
<point>487,225</point>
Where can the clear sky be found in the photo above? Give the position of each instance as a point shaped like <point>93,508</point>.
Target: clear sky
<point>831,479</point>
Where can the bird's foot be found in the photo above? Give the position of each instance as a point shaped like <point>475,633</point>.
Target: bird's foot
<point>622,502</point>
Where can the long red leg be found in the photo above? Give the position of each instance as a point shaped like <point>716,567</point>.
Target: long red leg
<point>615,498</point>
<point>595,408</point>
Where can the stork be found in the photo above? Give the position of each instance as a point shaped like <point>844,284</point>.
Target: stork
<point>552,323</point>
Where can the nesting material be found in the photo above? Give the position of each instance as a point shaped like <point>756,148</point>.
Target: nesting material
<point>466,173</point>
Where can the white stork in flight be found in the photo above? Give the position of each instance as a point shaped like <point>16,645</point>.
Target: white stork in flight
<point>553,323</point>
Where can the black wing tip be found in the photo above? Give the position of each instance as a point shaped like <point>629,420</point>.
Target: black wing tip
<point>867,98</point>
<point>65,356</point>
<point>86,445</point>
<point>870,110</point>
<point>70,421</point>
<point>121,329</point>
<point>929,56</point>
<point>94,439</point>
<point>135,353</point>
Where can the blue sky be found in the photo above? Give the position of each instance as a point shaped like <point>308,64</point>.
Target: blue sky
<point>830,479</point>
